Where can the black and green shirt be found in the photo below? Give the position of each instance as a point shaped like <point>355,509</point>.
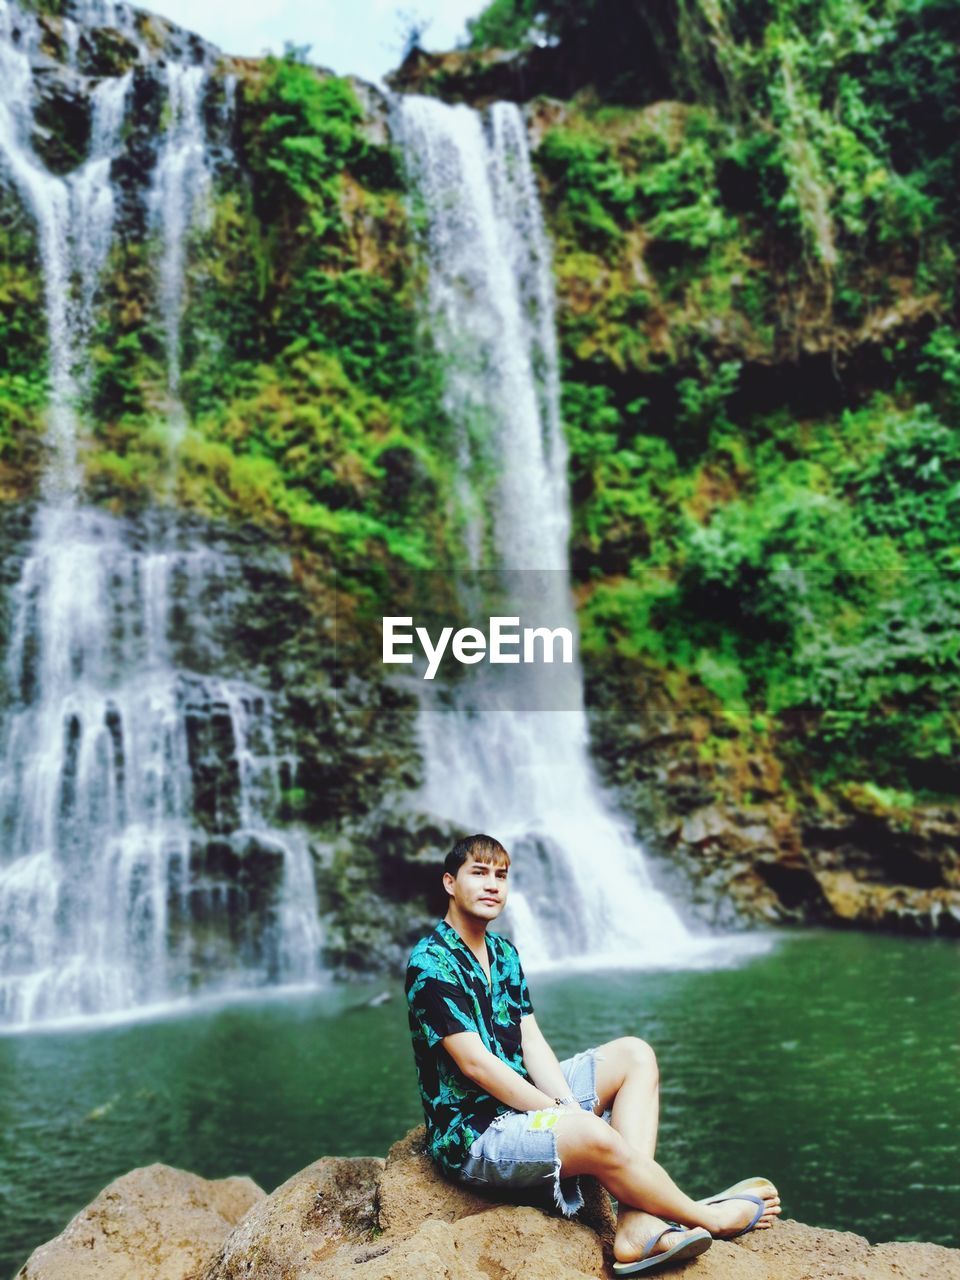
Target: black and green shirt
<point>447,992</point>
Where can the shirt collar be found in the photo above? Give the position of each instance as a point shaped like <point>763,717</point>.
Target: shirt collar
<point>455,942</point>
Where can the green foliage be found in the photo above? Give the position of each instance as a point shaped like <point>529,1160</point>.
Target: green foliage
<point>702,400</point>
<point>843,118</point>
<point>890,690</point>
<point>799,564</point>
<point>602,186</point>
<point>22,328</point>
<point>504,24</point>
<point>910,489</point>
<point>825,598</point>
<point>122,372</point>
<point>299,449</point>
<point>596,194</point>
<point>305,135</point>
<point>127,357</point>
<point>620,478</point>
<point>312,402</point>
<point>22,332</point>
<point>940,367</point>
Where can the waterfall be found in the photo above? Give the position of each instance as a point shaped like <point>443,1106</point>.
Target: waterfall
<point>580,884</point>
<point>141,851</point>
<point>91,197</point>
<point>73,216</point>
<point>137,802</point>
<point>180,184</point>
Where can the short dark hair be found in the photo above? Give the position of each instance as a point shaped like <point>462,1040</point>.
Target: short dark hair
<point>477,848</point>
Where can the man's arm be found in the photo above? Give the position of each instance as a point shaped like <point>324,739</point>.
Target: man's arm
<point>497,1078</point>
<point>540,1060</point>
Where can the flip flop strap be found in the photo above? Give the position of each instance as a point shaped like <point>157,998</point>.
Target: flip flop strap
<point>659,1236</point>
<point>743,1195</point>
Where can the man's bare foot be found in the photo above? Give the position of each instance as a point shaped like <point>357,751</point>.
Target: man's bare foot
<point>755,1187</point>
<point>734,1213</point>
<point>636,1229</point>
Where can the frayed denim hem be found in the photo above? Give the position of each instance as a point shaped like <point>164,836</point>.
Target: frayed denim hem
<point>567,1195</point>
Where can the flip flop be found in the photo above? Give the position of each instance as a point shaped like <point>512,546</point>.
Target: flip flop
<point>743,1195</point>
<point>697,1242</point>
<point>745,1184</point>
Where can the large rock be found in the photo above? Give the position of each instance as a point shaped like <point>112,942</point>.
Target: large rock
<point>413,1192</point>
<point>793,1251</point>
<point>400,1220</point>
<point>154,1223</point>
<point>293,1231</point>
<point>481,76</point>
<point>512,1242</point>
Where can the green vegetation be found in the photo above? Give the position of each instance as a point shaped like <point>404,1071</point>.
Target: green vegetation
<point>789,544</point>
<point>311,401</point>
<point>824,597</point>
<point>23,371</point>
<point>755,231</point>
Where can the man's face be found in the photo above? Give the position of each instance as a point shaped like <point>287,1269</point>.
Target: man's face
<point>479,889</point>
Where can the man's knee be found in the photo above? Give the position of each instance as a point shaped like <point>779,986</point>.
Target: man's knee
<point>587,1144</point>
<point>641,1057</point>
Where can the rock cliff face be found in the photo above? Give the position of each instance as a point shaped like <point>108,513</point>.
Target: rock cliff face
<point>732,848</point>
<point>396,1219</point>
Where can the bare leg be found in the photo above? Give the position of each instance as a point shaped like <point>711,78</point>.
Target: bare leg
<point>628,1084</point>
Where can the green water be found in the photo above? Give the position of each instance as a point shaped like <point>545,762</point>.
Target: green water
<point>830,1063</point>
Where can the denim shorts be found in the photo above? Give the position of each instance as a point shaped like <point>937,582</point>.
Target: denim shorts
<point>519,1149</point>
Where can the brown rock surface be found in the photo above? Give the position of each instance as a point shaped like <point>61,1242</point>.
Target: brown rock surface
<point>507,1242</point>
<point>323,1224</point>
<point>154,1223</point>
<point>302,1223</point>
<point>412,1192</point>
<point>794,1251</point>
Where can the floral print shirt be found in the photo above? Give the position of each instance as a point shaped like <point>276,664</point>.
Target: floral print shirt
<point>447,992</point>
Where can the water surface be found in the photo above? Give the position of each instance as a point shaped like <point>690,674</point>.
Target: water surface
<point>831,1063</point>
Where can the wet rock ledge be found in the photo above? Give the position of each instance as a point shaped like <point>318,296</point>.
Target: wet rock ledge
<point>398,1220</point>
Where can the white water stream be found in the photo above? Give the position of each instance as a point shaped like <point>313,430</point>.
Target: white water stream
<point>582,891</point>
<point>140,854</point>
<point>178,196</point>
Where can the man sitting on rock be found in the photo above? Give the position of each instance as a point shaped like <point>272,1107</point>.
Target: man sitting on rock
<point>502,1112</point>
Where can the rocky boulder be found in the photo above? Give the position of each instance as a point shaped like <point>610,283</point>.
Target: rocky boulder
<point>296,1229</point>
<point>482,76</point>
<point>400,1220</point>
<point>154,1223</point>
<point>793,1251</point>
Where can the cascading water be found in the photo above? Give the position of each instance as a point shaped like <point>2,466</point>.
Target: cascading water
<point>92,201</point>
<point>119,888</point>
<point>180,184</point>
<point>580,884</point>
<point>140,853</point>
